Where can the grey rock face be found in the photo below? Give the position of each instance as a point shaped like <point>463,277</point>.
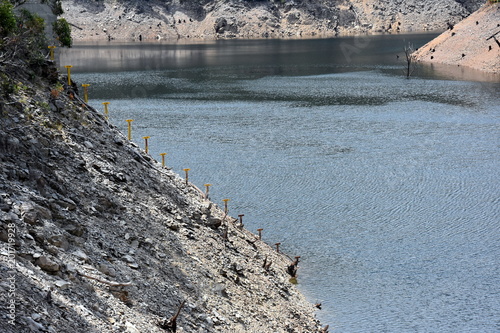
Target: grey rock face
<point>212,19</point>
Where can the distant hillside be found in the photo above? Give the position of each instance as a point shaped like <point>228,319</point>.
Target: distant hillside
<point>474,42</point>
<point>208,19</point>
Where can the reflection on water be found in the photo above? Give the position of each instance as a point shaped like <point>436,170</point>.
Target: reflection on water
<point>456,72</point>
<point>321,53</point>
<point>388,188</point>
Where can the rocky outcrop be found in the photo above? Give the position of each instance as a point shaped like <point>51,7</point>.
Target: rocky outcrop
<point>211,19</point>
<point>473,42</point>
<point>95,236</point>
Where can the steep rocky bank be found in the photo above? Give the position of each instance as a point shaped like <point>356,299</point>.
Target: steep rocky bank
<point>96,236</point>
<point>473,42</point>
<point>211,19</point>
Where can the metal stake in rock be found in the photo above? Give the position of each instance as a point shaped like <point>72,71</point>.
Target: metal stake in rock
<point>51,48</point>
<point>207,189</point>
<point>86,92</point>
<point>225,205</point>
<point>163,159</point>
<point>146,146</point>
<point>106,111</point>
<point>68,67</point>
<point>187,175</point>
<point>260,233</point>
<point>277,247</point>
<point>129,121</point>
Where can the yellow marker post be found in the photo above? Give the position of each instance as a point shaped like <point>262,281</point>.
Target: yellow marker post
<point>163,159</point>
<point>106,111</point>
<point>225,205</point>
<point>146,147</point>
<point>86,92</point>
<point>51,48</point>
<point>207,189</point>
<point>69,74</point>
<point>129,121</point>
<point>187,174</point>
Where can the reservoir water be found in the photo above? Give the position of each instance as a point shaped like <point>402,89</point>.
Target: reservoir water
<point>387,187</point>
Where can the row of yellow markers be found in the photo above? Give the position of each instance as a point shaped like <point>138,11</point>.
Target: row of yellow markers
<point>146,144</point>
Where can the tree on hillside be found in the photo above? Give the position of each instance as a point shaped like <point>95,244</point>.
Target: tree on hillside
<point>22,35</point>
<point>63,32</point>
<point>27,21</point>
<point>7,19</point>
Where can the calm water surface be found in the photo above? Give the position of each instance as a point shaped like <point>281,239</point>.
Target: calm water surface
<point>388,188</point>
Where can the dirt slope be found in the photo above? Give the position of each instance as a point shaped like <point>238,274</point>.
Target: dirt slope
<point>474,42</point>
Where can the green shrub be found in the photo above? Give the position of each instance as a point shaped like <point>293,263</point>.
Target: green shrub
<point>22,37</point>
<point>32,28</point>
<point>63,32</point>
<point>7,18</point>
<point>32,22</point>
<point>6,85</point>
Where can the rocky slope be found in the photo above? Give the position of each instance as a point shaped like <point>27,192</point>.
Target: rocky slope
<point>474,42</point>
<point>209,19</point>
<point>95,236</point>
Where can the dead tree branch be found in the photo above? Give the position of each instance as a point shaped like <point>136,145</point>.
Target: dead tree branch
<point>411,61</point>
<point>109,283</point>
<point>171,324</point>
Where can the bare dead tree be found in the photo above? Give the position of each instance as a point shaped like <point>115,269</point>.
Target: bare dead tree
<point>411,61</point>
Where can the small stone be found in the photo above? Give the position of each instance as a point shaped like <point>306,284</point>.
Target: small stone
<point>62,284</point>
<point>59,105</point>
<point>81,255</point>
<point>47,264</point>
<point>33,325</point>
<point>220,289</point>
<point>59,241</point>
<point>36,316</point>
<point>53,250</point>
<point>67,203</point>
<point>173,226</point>
<point>128,258</point>
<point>71,268</point>
<point>29,214</point>
<point>214,222</point>
<point>75,229</point>
<point>130,328</point>
<point>28,236</point>
<point>133,265</point>
<point>103,268</point>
